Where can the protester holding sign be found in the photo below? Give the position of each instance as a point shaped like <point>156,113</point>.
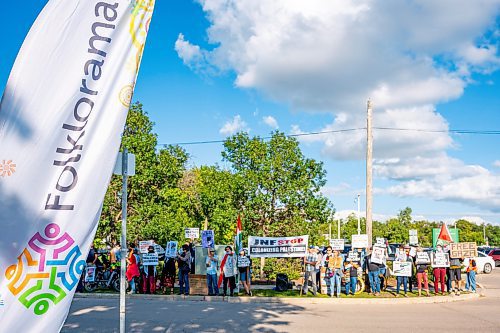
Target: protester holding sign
<point>402,256</point>
<point>212,263</point>
<point>333,263</point>
<point>411,252</point>
<point>243,264</point>
<point>439,271</point>
<point>456,274</point>
<point>422,265</point>
<point>373,270</point>
<point>351,276</point>
<point>228,266</point>
<point>184,262</point>
<point>149,281</point>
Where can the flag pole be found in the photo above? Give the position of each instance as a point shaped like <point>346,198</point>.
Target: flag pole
<point>123,240</point>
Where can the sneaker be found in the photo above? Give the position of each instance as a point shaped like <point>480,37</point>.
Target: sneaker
<point>397,295</point>
<point>405,295</point>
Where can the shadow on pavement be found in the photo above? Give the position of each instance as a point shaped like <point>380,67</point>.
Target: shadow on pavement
<point>150,315</point>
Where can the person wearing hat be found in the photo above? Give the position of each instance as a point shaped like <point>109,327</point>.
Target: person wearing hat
<point>310,262</point>
<point>212,263</point>
<point>243,263</point>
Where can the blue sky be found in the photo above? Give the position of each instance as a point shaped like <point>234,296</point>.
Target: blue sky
<point>213,67</point>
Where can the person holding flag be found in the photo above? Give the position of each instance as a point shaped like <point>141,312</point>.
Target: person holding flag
<point>444,239</point>
<point>227,272</point>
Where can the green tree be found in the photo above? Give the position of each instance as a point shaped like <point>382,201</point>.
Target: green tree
<point>276,188</point>
<point>153,203</point>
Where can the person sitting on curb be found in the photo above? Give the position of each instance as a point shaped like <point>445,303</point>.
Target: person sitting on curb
<point>212,263</point>
<point>310,262</point>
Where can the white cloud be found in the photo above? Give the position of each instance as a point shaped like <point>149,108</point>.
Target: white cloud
<point>188,52</point>
<point>270,121</point>
<point>330,56</point>
<point>233,126</point>
<point>448,179</point>
<point>496,163</point>
<point>333,55</point>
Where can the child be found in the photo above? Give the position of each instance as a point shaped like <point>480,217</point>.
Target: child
<point>471,276</point>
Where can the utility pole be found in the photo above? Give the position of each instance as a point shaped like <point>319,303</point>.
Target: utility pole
<point>369,157</point>
<point>484,233</point>
<point>359,220</point>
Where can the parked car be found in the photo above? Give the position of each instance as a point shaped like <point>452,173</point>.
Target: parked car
<point>485,263</point>
<point>495,254</point>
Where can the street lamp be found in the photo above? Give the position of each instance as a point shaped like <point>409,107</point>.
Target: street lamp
<point>359,223</point>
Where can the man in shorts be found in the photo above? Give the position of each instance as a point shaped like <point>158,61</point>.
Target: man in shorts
<point>455,274</point>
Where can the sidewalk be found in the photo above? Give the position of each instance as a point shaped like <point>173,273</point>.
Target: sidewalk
<point>293,300</point>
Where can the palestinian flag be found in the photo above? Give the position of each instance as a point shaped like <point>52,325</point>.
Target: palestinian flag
<point>238,243</point>
<point>444,237</point>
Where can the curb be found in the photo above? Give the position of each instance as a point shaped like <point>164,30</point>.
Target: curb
<point>290,300</point>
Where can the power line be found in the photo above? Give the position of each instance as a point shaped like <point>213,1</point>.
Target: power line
<point>454,131</point>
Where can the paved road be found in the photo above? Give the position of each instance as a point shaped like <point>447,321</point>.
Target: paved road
<point>153,315</point>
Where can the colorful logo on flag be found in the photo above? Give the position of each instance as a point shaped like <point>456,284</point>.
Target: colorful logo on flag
<point>46,271</point>
<point>7,168</point>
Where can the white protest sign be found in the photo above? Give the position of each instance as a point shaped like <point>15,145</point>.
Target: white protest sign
<point>171,250</point>
<point>413,236</point>
<point>422,258</point>
<point>359,241</point>
<point>337,244</point>
<point>159,249</point>
<point>440,259</point>
<point>143,246</point>
<point>413,251</point>
<point>353,256</point>
<point>380,241</point>
<point>401,268</point>
<point>150,259</point>
<point>278,247</point>
<point>378,254</point>
<point>192,233</point>
<point>90,273</point>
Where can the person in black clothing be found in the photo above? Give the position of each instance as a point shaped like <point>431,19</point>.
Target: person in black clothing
<point>168,275</point>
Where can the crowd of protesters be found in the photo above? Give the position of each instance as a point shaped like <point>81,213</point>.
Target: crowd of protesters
<point>337,269</point>
<point>334,268</point>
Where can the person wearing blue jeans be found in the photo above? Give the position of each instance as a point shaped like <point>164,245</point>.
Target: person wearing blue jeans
<point>471,270</point>
<point>402,257</point>
<point>184,260</point>
<point>402,280</point>
<point>211,263</point>
<point>351,276</point>
<point>333,263</point>
<point>373,271</point>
